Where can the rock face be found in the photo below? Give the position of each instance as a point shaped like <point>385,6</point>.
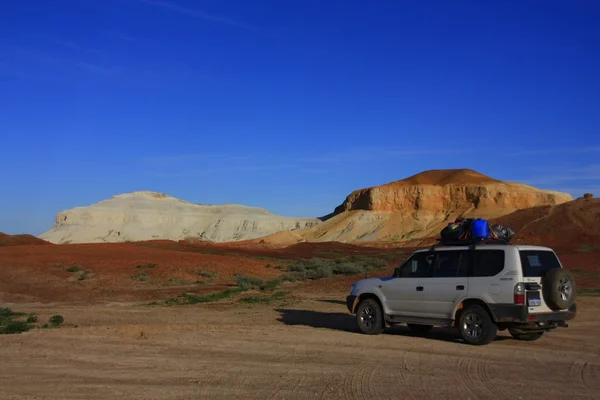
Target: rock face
<point>421,205</point>
<point>141,216</point>
<point>449,191</point>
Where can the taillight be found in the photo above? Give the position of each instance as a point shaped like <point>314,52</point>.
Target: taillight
<point>519,297</point>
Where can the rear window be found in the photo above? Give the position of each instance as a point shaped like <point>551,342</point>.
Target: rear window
<point>536,263</point>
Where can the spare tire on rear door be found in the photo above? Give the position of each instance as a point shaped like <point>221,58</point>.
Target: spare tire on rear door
<point>558,287</point>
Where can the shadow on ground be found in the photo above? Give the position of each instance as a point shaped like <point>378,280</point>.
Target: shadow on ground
<point>331,301</point>
<point>347,323</point>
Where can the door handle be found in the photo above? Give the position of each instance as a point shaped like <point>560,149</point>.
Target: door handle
<point>460,287</point>
<point>419,288</point>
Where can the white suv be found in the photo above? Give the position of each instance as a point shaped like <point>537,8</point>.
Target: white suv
<point>479,289</point>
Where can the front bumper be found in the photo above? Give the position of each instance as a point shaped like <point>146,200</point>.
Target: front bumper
<point>519,314</point>
<point>350,303</point>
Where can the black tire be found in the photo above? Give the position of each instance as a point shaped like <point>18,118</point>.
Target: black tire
<point>558,289</point>
<point>420,329</point>
<point>526,336</point>
<point>475,326</point>
<point>369,317</point>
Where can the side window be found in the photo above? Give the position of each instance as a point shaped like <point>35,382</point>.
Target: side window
<point>418,266</point>
<point>464,267</point>
<point>447,264</point>
<point>488,263</point>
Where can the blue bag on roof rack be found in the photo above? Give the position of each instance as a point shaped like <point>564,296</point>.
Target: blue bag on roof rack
<point>474,230</point>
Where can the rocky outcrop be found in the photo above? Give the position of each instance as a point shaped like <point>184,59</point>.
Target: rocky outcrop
<point>421,205</point>
<point>141,216</point>
<point>450,191</point>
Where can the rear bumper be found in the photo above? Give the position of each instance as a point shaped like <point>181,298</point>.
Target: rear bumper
<point>519,314</point>
<point>350,303</point>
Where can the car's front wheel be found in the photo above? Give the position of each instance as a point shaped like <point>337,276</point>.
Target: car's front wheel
<point>475,326</point>
<point>369,317</point>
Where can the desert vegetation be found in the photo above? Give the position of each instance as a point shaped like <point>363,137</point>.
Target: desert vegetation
<point>13,322</point>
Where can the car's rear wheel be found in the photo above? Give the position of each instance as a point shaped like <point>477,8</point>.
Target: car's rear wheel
<point>475,326</point>
<point>420,329</point>
<point>369,317</point>
<point>525,336</point>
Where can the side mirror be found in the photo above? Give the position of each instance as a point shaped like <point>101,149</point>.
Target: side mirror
<point>396,272</point>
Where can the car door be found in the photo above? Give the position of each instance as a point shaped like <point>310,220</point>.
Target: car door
<point>449,284</point>
<point>406,294</point>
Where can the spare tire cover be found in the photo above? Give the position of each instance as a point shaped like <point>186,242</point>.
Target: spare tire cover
<point>558,287</point>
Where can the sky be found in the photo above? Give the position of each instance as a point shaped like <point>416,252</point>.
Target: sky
<point>289,105</point>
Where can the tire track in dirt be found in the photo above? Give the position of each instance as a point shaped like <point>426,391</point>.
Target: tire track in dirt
<point>593,370</point>
<point>212,378</point>
<point>585,373</point>
<point>474,373</point>
<point>294,376</point>
<point>576,372</point>
<point>352,385</point>
<point>366,378</point>
<point>410,372</point>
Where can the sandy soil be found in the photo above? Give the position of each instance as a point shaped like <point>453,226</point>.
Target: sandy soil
<point>306,349</point>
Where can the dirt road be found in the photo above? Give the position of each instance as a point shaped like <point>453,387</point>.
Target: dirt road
<point>303,350</point>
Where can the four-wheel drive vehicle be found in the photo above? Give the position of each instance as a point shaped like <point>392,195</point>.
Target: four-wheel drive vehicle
<point>477,289</point>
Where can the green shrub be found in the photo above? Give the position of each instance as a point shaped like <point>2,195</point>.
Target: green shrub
<point>141,276</point>
<point>263,299</point>
<point>7,313</point>
<point>249,282</point>
<point>191,298</point>
<point>585,248</point>
<point>317,268</point>
<point>207,274</point>
<point>147,266</point>
<point>56,320</point>
<point>74,268</point>
<point>12,327</point>
<point>12,322</point>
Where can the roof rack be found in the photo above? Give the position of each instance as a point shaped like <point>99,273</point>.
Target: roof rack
<point>471,242</point>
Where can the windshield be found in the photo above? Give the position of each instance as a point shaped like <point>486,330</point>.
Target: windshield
<point>536,263</point>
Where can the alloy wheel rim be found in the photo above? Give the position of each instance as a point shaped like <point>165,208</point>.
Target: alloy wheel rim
<point>473,326</point>
<point>565,288</point>
<point>367,317</point>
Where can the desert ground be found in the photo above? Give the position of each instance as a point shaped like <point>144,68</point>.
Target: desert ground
<point>305,348</point>
<point>120,339</point>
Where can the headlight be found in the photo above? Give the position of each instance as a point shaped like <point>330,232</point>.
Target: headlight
<point>352,289</point>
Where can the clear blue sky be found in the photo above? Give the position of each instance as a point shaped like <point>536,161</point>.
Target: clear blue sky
<point>289,105</point>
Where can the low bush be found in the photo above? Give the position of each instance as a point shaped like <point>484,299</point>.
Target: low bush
<point>263,299</point>
<point>151,266</point>
<point>56,320</point>
<point>207,274</point>
<point>249,282</point>
<point>191,298</point>
<point>74,268</point>
<point>17,322</point>
<point>317,268</point>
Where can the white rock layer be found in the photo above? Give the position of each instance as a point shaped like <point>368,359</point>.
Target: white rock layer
<point>141,216</point>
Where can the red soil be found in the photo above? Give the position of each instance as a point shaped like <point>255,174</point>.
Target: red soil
<point>40,273</point>
<point>566,226</point>
<point>19,240</point>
